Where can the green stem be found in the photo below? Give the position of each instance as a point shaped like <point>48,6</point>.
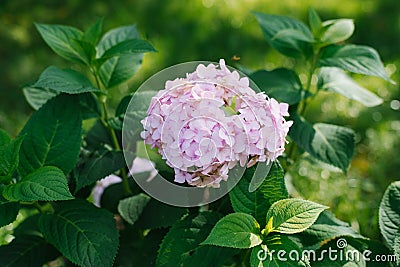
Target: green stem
<point>104,120</point>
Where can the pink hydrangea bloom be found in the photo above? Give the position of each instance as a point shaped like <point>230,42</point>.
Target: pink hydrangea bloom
<point>207,123</point>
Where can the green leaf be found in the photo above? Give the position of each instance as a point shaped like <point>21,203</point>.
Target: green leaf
<point>27,250</point>
<point>389,213</point>
<point>278,250</point>
<point>128,47</point>
<point>9,158</point>
<point>52,136</point>
<point>117,70</point>
<point>335,80</point>
<point>93,33</point>
<point>8,212</point>
<point>84,234</point>
<point>290,216</point>
<point>180,246</point>
<point>328,143</point>
<point>258,202</point>
<point>98,166</point>
<point>235,230</point>
<point>315,22</point>
<point>116,36</point>
<point>396,247</point>
<point>338,30</point>
<point>281,84</point>
<point>44,184</point>
<point>354,58</point>
<point>158,214</point>
<point>61,38</point>
<point>4,138</point>
<point>37,97</point>
<point>289,36</point>
<point>65,81</point>
<point>131,208</point>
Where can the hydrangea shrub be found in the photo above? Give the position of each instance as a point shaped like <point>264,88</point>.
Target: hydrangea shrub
<point>196,130</point>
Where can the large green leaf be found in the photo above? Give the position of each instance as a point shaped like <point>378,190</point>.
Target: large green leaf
<point>235,230</point>
<point>98,166</point>
<point>281,84</point>
<point>290,216</point>
<point>61,40</point>
<point>27,250</point>
<point>4,138</point>
<point>8,212</point>
<point>328,143</point>
<point>118,69</point>
<point>84,234</point>
<point>258,202</point>
<point>278,250</point>
<point>131,208</point>
<point>115,36</point>
<point>180,246</point>
<point>389,213</point>
<point>335,31</point>
<point>65,81</point>
<point>47,183</point>
<point>52,136</point>
<point>289,36</point>
<point>354,58</point>
<point>128,47</point>
<point>9,158</point>
<point>335,80</point>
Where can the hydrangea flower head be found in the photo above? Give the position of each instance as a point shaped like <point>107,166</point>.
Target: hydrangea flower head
<point>207,123</point>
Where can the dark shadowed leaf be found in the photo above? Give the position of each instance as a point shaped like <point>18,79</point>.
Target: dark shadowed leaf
<point>84,234</point>
<point>52,136</point>
<point>328,143</point>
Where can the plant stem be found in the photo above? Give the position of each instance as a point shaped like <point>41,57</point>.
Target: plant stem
<point>104,120</point>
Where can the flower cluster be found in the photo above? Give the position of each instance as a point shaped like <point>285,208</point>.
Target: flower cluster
<point>207,123</point>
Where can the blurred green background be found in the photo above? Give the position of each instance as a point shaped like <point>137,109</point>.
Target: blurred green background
<point>212,29</point>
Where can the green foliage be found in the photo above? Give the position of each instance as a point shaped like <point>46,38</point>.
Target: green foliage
<point>236,230</point>
<point>258,202</point>
<point>289,36</point>
<point>27,250</point>
<point>389,215</point>
<point>65,81</point>
<point>52,136</point>
<point>46,184</point>
<point>131,208</point>
<point>335,80</point>
<point>289,216</point>
<point>181,246</point>
<point>97,166</point>
<point>282,84</point>
<point>71,231</point>
<point>9,157</point>
<point>354,58</point>
<point>328,143</point>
